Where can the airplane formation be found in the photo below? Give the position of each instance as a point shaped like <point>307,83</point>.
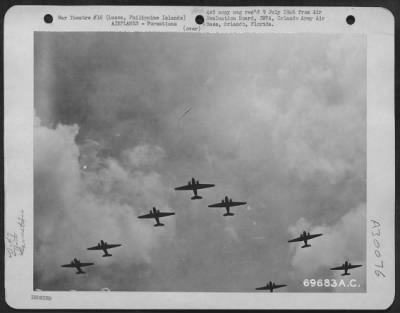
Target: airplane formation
<point>102,245</point>
<point>227,203</point>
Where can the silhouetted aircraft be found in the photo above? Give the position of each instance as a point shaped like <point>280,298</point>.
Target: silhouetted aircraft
<point>305,237</point>
<point>77,264</point>
<point>157,215</point>
<point>270,286</point>
<point>102,245</point>
<point>194,185</point>
<point>345,266</point>
<point>227,204</point>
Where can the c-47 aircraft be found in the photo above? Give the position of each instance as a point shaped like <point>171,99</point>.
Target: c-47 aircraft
<point>157,215</point>
<point>102,245</point>
<point>227,204</point>
<point>270,286</point>
<point>77,264</point>
<point>194,185</point>
<point>305,237</point>
<point>346,266</point>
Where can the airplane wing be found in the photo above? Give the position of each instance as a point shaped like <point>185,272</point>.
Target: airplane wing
<point>195,186</point>
<point>354,266</point>
<point>279,286</point>
<point>262,288</point>
<point>296,239</point>
<point>162,214</point>
<point>111,246</point>
<point>338,268</point>
<point>202,186</point>
<point>68,265</point>
<point>236,203</point>
<point>149,215</point>
<point>85,264</point>
<point>95,248</point>
<point>186,187</point>
<point>218,205</point>
<point>313,236</point>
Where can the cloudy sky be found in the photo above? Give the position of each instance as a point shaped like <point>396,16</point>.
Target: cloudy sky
<point>277,120</point>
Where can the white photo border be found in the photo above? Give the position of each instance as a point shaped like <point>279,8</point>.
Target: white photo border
<point>377,24</point>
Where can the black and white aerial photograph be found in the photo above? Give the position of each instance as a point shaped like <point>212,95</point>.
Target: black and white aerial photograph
<point>195,162</point>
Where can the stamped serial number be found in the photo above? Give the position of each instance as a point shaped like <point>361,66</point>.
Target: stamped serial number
<point>38,297</point>
<point>330,283</point>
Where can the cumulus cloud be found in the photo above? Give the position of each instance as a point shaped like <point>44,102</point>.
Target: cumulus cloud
<point>231,234</point>
<point>141,156</point>
<point>75,209</point>
<point>319,115</point>
<point>310,137</point>
<point>283,130</point>
<point>342,241</point>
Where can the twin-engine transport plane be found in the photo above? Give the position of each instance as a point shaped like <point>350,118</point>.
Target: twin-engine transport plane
<point>346,266</point>
<point>305,237</point>
<point>102,245</point>
<point>227,204</point>
<point>77,264</point>
<point>157,215</point>
<point>270,286</point>
<point>194,185</point>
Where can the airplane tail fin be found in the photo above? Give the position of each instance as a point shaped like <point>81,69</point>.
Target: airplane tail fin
<point>196,197</point>
<point>158,224</point>
<point>345,274</point>
<point>229,214</point>
<point>306,246</point>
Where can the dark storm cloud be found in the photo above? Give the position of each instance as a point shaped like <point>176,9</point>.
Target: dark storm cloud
<point>275,120</point>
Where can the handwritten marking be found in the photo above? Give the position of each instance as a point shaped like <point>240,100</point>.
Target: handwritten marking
<point>16,242</point>
<point>376,234</point>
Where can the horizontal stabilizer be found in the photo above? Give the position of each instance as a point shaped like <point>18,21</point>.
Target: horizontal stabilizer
<point>159,224</point>
<point>306,246</point>
<point>345,274</point>
<point>229,214</point>
<point>106,255</point>
<point>196,197</point>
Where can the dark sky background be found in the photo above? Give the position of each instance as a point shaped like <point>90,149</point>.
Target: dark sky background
<point>277,120</point>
